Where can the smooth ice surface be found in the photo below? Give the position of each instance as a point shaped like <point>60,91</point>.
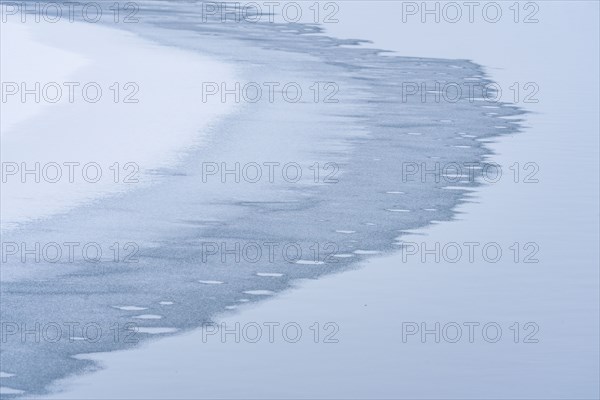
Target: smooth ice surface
<point>369,304</point>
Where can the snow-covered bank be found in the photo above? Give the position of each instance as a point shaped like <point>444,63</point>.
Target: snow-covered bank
<point>148,112</point>
<point>559,294</point>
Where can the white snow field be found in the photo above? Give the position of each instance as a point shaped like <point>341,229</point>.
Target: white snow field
<point>153,113</point>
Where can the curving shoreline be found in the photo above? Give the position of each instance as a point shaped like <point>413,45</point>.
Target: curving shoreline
<point>367,134</point>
